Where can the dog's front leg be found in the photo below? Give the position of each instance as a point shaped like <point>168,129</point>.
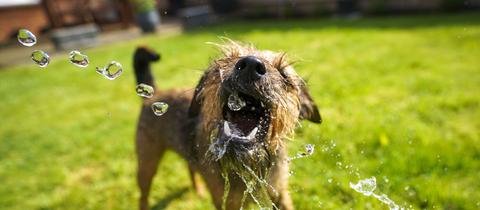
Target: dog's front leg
<point>279,181</point>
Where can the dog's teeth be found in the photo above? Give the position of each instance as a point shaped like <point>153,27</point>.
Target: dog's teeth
<point>252,133</point>
<point>226,128</point>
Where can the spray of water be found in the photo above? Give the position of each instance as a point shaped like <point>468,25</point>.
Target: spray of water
<point>367,188</point>
<point>309,149</point>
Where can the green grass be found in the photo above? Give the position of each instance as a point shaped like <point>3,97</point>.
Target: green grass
<point>399,97</point>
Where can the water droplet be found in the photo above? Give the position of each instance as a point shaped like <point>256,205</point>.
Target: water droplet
<point>111,71</point>
<point>385,179</point>
<point>309,148</point>
<point>78,59</point>
<point>159,108</point>
<point>366,186</point>
<point>144,90</point>
<point>26,38</point>
<point>40,58</point>
<point>386,200</point>
<point>235,103</point>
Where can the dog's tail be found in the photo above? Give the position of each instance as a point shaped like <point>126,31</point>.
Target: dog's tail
<point>142,58</point>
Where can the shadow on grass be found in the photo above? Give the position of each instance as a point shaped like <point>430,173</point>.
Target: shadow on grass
<point>162,204</point>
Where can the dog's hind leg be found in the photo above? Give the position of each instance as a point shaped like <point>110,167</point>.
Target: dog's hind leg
<point>149,153</point>
<point>197,186</point>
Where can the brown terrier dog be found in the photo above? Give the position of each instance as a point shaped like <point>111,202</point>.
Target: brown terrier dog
<point>231,130</point>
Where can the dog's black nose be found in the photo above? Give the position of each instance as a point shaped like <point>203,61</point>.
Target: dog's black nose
<point>252,66</point>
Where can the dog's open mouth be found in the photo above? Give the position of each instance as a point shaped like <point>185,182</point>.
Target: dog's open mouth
<point>245,117</point>
<point>245,124</point>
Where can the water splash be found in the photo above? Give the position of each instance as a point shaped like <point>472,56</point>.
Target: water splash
<point>386,200</point>
<point>257,188</point>
<point>258,192</point>
<point>78,59</point>
<point>26,38</point>
<point>262,181</point>
<point>40,58</point>
<point>235,103</point>
<point>111,71</point>
<point>144,90</point>
<point>159,108</point>
<point>308,150</point>
<point>367,188</point>
<point>226,190</point>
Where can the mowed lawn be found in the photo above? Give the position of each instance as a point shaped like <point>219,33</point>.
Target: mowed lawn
<point>400,99</point>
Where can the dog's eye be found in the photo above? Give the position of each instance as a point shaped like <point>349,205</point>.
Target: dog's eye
<point>286,78</point>
<point>283,73</point>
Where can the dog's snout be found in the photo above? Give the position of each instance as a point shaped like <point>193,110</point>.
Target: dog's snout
<point>251,65</point>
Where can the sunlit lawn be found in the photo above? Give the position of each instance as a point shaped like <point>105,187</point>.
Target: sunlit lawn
<point>399,97</point>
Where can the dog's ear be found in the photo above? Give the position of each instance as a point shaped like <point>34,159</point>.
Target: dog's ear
<point>196,103</point>
<point>308,110</point>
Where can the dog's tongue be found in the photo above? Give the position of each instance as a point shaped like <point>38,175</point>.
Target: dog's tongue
<point>231,131</point>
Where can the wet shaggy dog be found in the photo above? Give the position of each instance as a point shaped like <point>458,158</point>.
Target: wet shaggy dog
<point>231,130</point>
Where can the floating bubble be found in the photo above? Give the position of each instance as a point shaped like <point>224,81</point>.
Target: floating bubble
<point>235,103</point>
<point>78,59</point>
<point>159,108</point>
<point>144,90</point>
<point>40,58</point>
<point>26,38</point>
<point>111,71</point>
<point>366,186</point>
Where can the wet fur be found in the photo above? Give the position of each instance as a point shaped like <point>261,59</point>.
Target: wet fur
<point>193,115</point>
